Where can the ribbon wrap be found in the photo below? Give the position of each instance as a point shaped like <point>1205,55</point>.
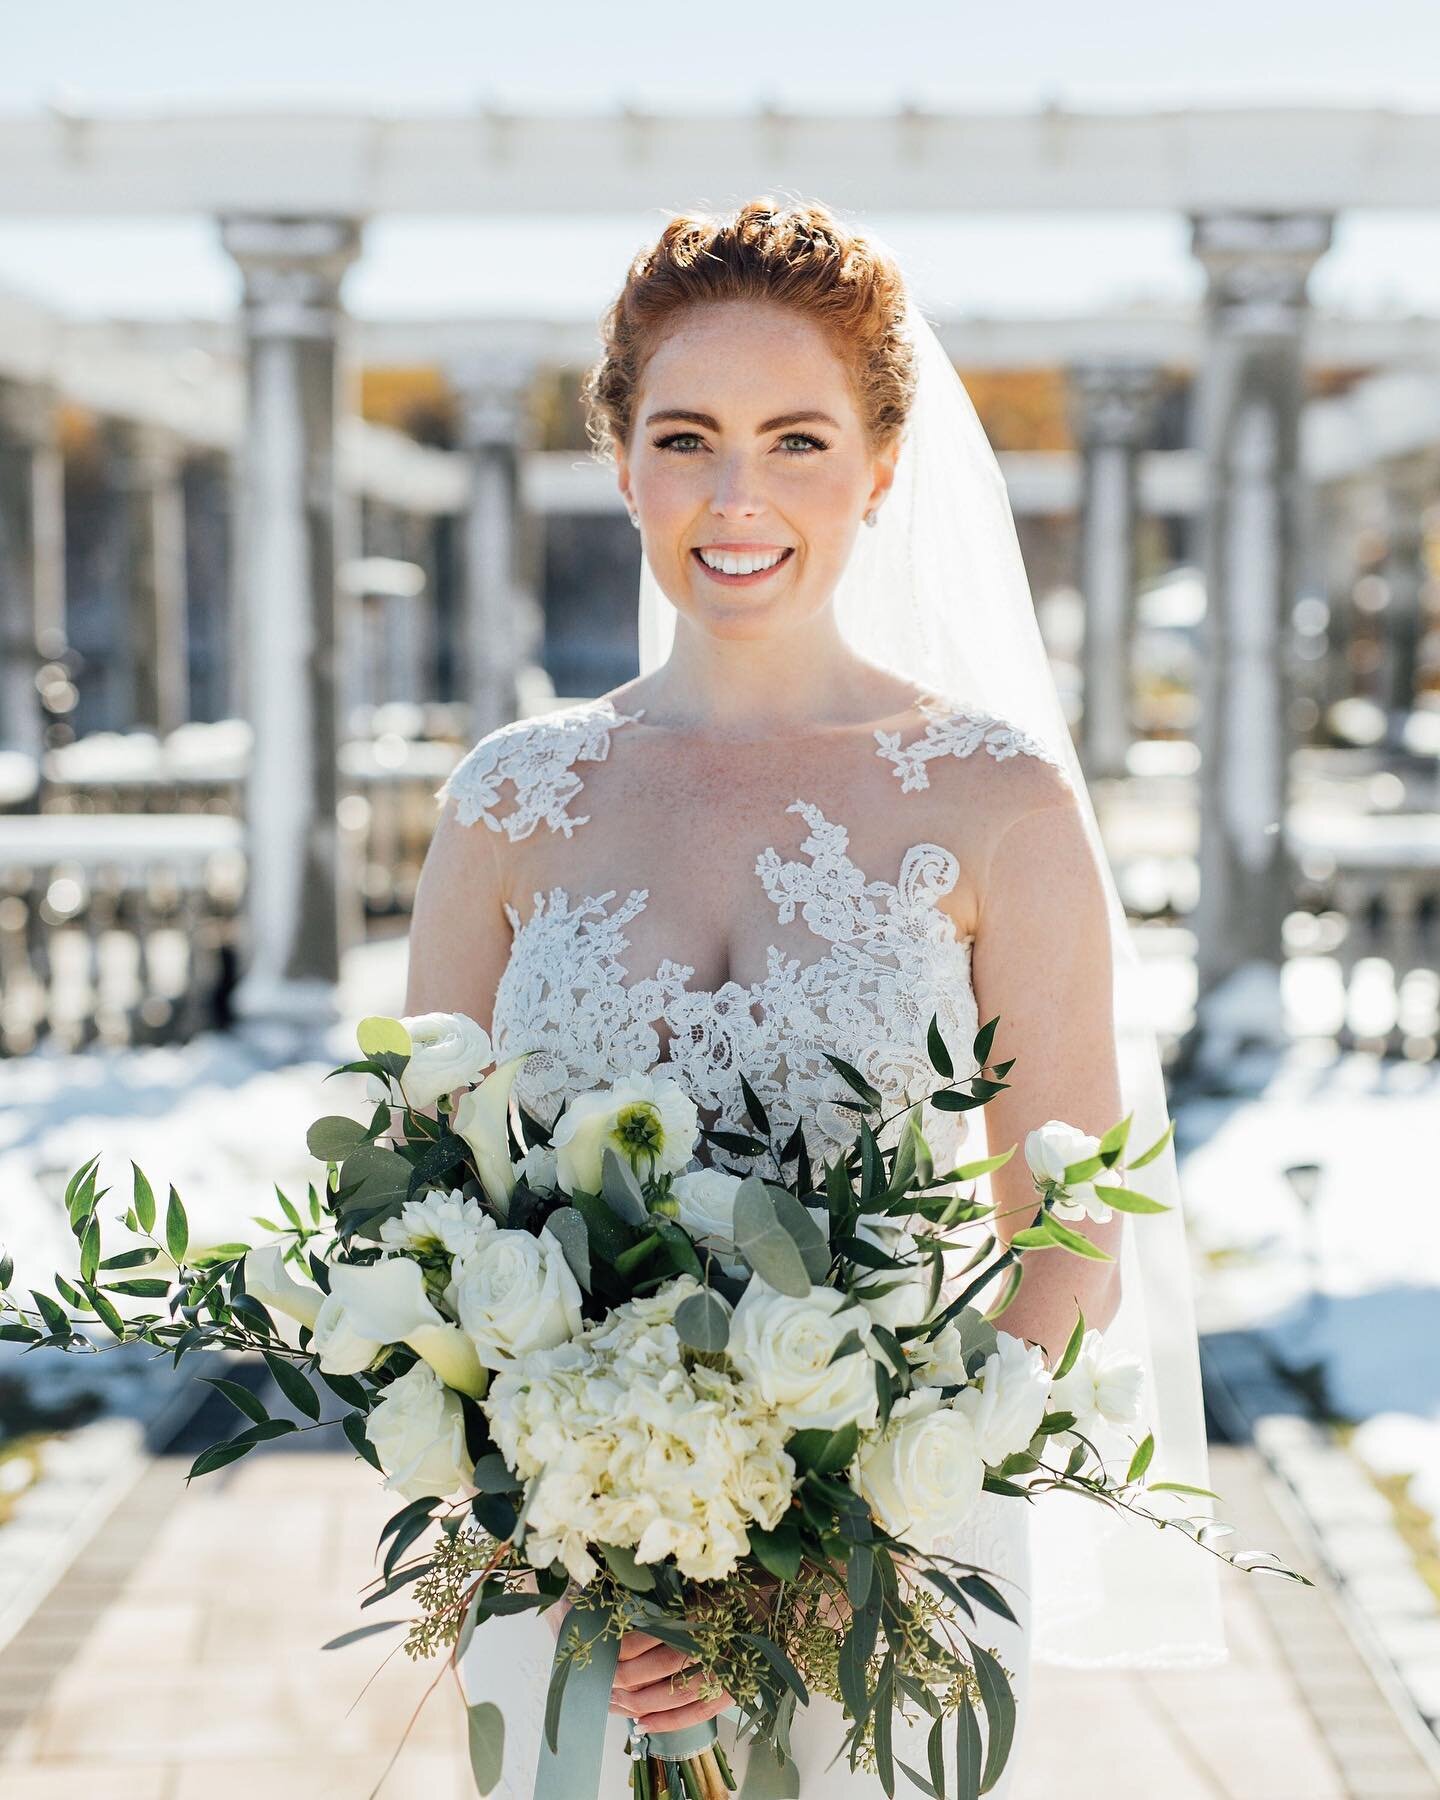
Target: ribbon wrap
<point>571,1771</point>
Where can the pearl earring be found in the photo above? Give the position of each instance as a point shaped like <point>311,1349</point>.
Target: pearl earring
<point>872,517</point>
<point>635,520</point>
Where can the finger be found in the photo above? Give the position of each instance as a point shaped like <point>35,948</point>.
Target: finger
<point>654,1665</point>
<point>636,1643</point>
<point>679,1718</point>
<point>664,1696</point>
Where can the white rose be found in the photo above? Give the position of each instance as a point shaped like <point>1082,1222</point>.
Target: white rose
<point>908,1288</point>
<point>1007,1402</point>
<point>924,1473</point>
<point>536,1168</point>
<point>481,1117</point>
<point>1052,1149</point>
<point>514,1292</point>
<point>418,1432</point>
<point>448,1051</point>
<point>1104,1391</point>
<point>784,1345</point>
<point>649,1120</point>
<point>707,1211</point>
<point>386,1302</point>
<point>272,1284</point>
<point>435,1225</point>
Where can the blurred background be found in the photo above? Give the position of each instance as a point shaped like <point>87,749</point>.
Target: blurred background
<point>296,503</point>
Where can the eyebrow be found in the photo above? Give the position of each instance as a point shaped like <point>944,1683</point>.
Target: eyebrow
<point>712,424</point>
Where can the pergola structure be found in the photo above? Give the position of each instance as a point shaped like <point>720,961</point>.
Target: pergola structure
<point>292,194</point>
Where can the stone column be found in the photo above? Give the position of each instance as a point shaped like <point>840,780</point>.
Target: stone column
<point>500,614</point>
<point>1249,395</point>
<point>286,596</point>
<point>1113,406</point>
<point>147,465</point>
<point>32,559</point>
<point>1412,487</point>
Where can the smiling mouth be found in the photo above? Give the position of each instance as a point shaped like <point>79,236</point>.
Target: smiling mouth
<point>749,577</point>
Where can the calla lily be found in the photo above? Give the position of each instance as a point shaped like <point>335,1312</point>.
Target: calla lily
<point>386,1302</point>
<point>341,1348</point>
<point>480,1118</point>
<point>272,1284</point>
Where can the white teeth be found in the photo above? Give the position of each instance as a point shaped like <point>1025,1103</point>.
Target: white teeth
<point>729,564</point>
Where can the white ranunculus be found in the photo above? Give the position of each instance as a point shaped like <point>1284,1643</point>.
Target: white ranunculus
<point>924,1473</point>
<point>418,1432</point>
<point>904,1303</point>
<point>1104,1391</point>
<point>939,1361</point>
<point>649,1120</point>
<point>1053,1148</point>
<point>514,1292</point>
<point>481,1117</point>
<point>435,1225</point>
<point>536,1168</point>
<point>783,1346</point>
<point>386,1301</point>
<point>1007,1400</point>
<point>341,1348</point>
<point>448,1051</point>
<point>272,1284</point>
<point>706,1199</point>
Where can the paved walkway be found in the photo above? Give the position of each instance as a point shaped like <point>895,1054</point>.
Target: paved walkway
<point>180,1660</point>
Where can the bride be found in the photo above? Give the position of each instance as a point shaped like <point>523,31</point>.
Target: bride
<point>804,828</point>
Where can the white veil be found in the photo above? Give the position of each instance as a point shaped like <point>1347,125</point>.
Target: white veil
<point>937,591</point>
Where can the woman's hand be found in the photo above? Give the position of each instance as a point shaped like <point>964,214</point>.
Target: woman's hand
<point>651,1686</point>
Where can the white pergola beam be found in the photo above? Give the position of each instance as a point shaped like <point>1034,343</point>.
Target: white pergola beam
<point>60,163</point>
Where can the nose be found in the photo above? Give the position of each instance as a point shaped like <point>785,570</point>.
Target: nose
<point>735,496</point>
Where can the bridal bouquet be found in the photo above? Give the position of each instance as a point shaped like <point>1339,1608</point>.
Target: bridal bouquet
<point>738,1411</point>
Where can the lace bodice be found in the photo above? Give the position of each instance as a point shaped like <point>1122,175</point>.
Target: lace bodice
<point>887,957</point>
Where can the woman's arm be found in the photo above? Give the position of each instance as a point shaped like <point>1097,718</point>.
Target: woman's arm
<point>1042,963</point>
<point>459,935</point>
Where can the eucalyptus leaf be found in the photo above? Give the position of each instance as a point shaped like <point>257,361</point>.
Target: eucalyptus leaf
<point>702,1322</point>
<point>637,1576</point>
<point>764,1242</point>
<point>487,1744</point>
<point>812,1243</point>
<point>621,1189</point>
<point>332,1138</point>
<point>567,1227</point>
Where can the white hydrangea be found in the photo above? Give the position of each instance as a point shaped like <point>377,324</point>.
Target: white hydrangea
<point>626,1445</point>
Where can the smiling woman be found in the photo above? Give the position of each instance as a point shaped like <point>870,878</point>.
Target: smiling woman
<point>776,343</point>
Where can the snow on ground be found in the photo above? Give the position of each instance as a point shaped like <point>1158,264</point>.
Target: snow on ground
<point>1336,1262</point>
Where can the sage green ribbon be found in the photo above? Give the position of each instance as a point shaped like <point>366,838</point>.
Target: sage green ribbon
<point>571,1771</point>
<point>675,1746</point>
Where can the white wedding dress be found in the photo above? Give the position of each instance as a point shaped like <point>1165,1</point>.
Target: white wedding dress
<point>857,966</point>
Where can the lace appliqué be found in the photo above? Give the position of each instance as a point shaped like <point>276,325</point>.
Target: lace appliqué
<point>894,959</point>
<point>537,757</point>
<point>955,731</point>
<point>891,957</point>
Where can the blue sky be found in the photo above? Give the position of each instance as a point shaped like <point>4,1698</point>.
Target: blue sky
<point>574,53</point>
